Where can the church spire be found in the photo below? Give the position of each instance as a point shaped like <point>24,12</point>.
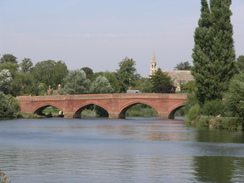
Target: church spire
<point>153,64</point>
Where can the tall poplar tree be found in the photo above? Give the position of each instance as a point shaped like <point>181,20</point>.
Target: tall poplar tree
<point>213,53</point>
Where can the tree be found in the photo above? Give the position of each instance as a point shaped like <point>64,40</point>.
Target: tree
<point>100,85</point>
<point>8,58</point>
<point>24,84</point>
<point>183,66</point>
<point>76,83</point>
<point>235,96</point>
<point>144,85</point>
<point>89,72</point>
<point>160,81</point>
<point>188,87</point>
<point>111,76</point>
<point>240,63</point>
<point>50,72</point>
<point>12,67</point>
<point>126,74</point>
<point>26,65</point>
<point>213,53</point>
<point>5,81</point>
<point>9,106</point>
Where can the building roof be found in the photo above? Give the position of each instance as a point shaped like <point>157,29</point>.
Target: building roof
<point>180,76</point>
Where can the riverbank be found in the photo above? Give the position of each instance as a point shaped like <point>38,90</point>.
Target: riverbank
<point>217,122</point>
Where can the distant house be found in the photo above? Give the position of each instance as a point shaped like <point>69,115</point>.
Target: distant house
<point>178,76</point>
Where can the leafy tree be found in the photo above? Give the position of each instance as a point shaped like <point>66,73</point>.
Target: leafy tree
<point>183,66</point>
<point>8,58</point>
<point>75,83</point>
<point>240,63</point>
<point>26,65</point>
<point>159,81</point>
<point>89,72</point>
<point>12,67</point>
<point>235,96</point>
<point>188,87</point>
<point>126,74</point>
<point>144,85</point>
<point>111,76</point>
<point>50,72</point>
<point>9,106</point>
<point>100,85</point>
<point>5,81</point>
<point>24,84</point>
<point>213,53</point>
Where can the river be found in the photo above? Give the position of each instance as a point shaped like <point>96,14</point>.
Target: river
<point>117,151</point>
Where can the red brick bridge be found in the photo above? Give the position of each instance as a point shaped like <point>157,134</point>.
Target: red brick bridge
<point>115,104</point>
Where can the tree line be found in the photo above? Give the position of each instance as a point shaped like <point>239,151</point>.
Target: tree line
<point>25,78</point>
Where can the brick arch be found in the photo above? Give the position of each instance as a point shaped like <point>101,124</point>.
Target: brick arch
<point>173,109</point>
<point>128,105</point>
<point>80,108</point>
<point>39,108</point>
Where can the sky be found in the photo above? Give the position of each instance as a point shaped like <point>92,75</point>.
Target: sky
<point>101,33</point>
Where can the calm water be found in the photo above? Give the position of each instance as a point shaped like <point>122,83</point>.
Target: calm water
<point>114,151</point>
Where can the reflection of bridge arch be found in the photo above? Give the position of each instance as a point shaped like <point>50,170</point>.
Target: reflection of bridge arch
<point>78,110</point>
<point>115,104</point>
<point>38,110</point>
<point>128,105</point>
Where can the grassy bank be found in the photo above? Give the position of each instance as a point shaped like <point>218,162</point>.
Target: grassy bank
<point>216,122</point>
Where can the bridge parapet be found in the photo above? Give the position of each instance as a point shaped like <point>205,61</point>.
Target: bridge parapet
<point>116,104</point>
<point>102,96</point>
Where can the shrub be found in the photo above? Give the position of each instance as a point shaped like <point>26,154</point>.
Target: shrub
<point>213,108</point>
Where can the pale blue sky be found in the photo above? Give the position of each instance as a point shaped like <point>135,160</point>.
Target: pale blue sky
<point>100,33</point>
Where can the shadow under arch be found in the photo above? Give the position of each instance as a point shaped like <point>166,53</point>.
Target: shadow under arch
<point>92,106</point>
<point>172,113</point>
<point>122,113</point>
<point>39,109</point>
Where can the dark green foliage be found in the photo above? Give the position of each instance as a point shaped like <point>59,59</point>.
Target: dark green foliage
<point>188,87</point>
<point>26,65</point>
<point>8,58</point>
<point>111,76</point>
<point>9,107</point>
<point>126,74</point>
<point>24,84</point>
<point>213,108</point>
<point>89,73</point>
<point>234,98</point>
<point>12,67</point>
<point>144,85</point>
<point>141,110</point>
<point>240,63</point>
<point>213,53</point>
<point>183,66</point>
<point>50,72</point>
<point>100,112</point>
<point>160,82</point>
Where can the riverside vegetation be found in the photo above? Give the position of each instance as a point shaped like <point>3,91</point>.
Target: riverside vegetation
<point>215,98</point>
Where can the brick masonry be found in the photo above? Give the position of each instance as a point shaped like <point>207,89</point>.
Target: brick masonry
<point>115,104</point>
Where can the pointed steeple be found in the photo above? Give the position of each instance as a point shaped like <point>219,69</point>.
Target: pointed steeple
<point>153,57</point>
<point>153,64</point>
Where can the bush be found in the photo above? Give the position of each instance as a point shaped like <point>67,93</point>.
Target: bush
<point>213,108</point>
<point>9,107</point>
<point>193,113</point>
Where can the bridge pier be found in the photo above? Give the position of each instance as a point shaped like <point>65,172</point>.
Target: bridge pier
<point>113,115</point>
<point>68,115</point>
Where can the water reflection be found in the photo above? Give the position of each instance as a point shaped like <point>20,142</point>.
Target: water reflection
<point>149,150</point>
